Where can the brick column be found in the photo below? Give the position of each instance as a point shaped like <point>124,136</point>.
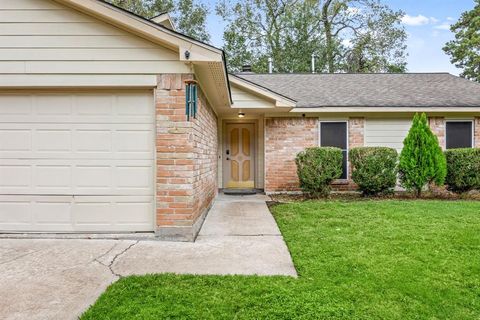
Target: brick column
<point>356,132</point>
<point>477,132</point>
<point>437,124</point>
<point>356,138</point>
<point>186,160</point>
<point>284,138</point>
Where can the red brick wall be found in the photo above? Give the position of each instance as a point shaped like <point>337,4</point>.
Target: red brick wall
<point>356,132</point>
<point>437,124</point>
<point>284,138</point>
<point>206,149</point>
<point>186,159</point>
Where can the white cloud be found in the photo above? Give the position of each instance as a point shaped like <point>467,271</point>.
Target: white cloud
<point>419,20</point>
<point>443,26</point>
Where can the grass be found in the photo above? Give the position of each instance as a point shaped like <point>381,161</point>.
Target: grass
<point>384,259</point>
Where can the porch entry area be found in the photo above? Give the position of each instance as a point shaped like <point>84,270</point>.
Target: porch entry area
<point>239,156</point>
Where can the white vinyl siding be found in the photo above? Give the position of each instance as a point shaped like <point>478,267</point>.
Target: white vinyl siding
<point>43,37</point>
<point>245,99</point>
<point>386,132</point>
<point>77,162</point>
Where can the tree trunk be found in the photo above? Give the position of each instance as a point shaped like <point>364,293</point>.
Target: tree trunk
<point>328,37</point>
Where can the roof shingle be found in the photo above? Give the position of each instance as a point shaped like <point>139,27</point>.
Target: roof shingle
<point>371,89</point>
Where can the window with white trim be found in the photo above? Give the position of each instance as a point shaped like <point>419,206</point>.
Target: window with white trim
<point>335,134</point>
<point>459,134</point>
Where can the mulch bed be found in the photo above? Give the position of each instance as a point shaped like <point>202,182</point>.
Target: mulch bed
<point>432,194</point>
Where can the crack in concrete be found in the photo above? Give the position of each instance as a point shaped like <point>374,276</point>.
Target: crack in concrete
<point>110,265</point>
<point>105,253</point>
<point>20,257</point>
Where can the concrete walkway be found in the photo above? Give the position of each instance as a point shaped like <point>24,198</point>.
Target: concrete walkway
<point>59,279</point>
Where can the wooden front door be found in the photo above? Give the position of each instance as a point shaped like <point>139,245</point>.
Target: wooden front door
<point>239,156</point>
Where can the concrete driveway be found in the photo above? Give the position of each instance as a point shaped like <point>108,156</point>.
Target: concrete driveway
<point>60,278</point>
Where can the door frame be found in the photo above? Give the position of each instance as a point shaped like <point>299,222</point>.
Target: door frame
<point>225,122</point>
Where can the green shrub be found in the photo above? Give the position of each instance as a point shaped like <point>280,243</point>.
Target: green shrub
<point>463,169</point>
<point>317,168</point>
<point>422,161</point>
<point>374,169</point>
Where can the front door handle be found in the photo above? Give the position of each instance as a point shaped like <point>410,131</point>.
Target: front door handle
<point>228,152</point>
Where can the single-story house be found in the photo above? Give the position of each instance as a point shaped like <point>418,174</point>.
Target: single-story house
<point>113,123</point>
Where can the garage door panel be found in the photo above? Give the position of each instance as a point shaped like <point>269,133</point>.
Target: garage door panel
<point>76,214</point>
<point>89,177</point>
<point>91,140</point>
<point>14,211</point>
<point>15,106</point>
<point>52,140</point>
<point>77,141</point>
<point>52,105</point>
<point>15,140</point>
<point>106,108</point>
<point>52,213</point>
<point>77,162</point>
<point>14,177</point>
<point>134,177</point>
<point>76,177</point>
<point>134,105</point>
<point>133,141</point>
<point>93,105</point>
<point>57,177</point>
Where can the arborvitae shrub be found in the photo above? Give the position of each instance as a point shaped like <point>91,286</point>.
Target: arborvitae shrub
<point>421,161</point>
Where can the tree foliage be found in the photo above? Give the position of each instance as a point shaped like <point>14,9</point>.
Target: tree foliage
<point>189,16</point>
<point>464,51</point>
<point>421,161</point>
<point>345,35</point>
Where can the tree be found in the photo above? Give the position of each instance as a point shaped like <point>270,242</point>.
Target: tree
<point>422,161</point>
<point>285,30</point>
<point>189,16</point>
<point>346,35</point>
<point>464,51</point>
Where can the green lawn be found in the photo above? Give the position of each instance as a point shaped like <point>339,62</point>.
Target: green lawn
<point>355,260</point>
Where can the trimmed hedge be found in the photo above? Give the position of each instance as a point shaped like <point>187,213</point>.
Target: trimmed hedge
<point>463,169</point>
<point>317,167</point>
<point>374,169</point>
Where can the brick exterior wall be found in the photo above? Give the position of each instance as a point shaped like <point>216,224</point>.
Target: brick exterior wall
<point>477,132</point>
<point>284,138</point>
<point>186,181</point>
<point>356,132</point>
<point>437,124</point>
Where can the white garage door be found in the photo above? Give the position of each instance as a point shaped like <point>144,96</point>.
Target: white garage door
<point>386,132</point>
<point>77,162</point>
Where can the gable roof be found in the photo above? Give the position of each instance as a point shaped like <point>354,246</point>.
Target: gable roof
<point>207,61</point>
<point>371,90</point>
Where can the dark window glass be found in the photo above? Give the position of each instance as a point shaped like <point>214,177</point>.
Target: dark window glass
<point>334,134</point>
<point>459,134</point>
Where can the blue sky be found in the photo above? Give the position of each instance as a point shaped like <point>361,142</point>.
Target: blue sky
<point>426,22</point>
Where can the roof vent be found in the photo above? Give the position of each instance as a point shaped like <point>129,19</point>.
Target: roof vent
<point>247,68</point>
